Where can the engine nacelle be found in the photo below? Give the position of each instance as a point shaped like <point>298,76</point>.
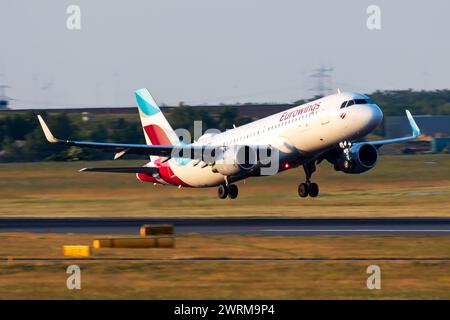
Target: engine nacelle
<point>236,160</point>
<point>363,157</point>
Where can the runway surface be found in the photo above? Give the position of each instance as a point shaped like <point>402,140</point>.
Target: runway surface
<point>263,226</point>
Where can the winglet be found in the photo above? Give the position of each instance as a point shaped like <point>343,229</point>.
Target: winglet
<point>413,124</point>
<point>415,133</point>
<point>48,135</point>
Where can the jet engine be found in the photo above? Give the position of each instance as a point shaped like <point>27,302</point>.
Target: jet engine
<point>361,158</point>
<point>236,160</point>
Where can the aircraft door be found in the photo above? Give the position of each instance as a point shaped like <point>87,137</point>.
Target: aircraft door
<point>324,116</point>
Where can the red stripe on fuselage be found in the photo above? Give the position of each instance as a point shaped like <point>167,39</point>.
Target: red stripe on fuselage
<point>167,174</point>
<point>146,177</point>
<point>157,136</point>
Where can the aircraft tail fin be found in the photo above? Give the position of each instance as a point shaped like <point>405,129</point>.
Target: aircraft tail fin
<point>157,129</point>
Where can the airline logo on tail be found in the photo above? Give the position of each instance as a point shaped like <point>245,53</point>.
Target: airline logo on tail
<point>156,127</point>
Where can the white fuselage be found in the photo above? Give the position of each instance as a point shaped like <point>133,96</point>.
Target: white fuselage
<point>300,134</point>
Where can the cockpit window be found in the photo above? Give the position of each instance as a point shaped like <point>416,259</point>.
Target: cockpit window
<point>361,101</point>
<point>349,103</point>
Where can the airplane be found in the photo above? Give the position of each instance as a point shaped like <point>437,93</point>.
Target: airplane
<point>324,129</point>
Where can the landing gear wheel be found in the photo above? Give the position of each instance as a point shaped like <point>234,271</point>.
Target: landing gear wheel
<point>313,190</point>
<point>309,188</point>
<point>222,191</point>
<point>303,190</point>
<point>233,191</point>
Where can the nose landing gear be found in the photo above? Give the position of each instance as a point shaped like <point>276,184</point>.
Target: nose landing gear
<point>308,188</point>
<point>345,146</point>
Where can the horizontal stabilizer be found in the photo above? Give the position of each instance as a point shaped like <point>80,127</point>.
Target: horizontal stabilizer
<point>148,170</point>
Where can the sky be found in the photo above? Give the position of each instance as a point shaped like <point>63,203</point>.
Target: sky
<point>209,52</point>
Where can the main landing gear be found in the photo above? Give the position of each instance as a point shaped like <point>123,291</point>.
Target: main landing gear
<point>308,188</point>
<point>230,191</point>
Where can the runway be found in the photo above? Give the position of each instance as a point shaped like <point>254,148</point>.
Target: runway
<point>258,225</point>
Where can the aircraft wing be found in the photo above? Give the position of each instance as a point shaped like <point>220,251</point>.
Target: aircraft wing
<point>415,133</point>
<point>185,151</point>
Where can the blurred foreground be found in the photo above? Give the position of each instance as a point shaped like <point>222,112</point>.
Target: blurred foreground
<point>214,272</point>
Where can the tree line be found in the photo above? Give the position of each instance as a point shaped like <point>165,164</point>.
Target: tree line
<point>21,138</point>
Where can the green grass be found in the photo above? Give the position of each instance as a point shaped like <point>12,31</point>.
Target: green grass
<point>227,280</point>
<point>398,186</point>
<point>171,279</point>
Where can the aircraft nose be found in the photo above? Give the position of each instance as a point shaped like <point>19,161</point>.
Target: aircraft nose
<point>369,117</point>
<point>375,115</point>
